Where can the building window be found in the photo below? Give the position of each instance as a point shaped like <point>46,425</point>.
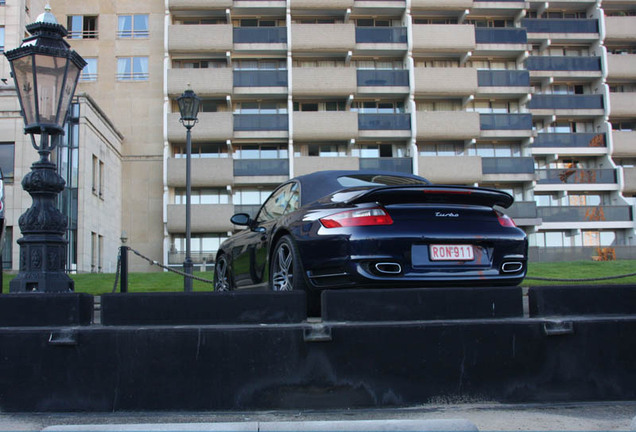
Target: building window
<point>2,39</point>
<point>82,27</point>
<point>7,248</point>
<point>7,153</point>
<point>202,151</point>
<point>132,26</point>
<point>202,196</point>
<point>260,151</point>
<point>98,177</point>
<point>132,69</point>
<point>89,73</point>
<point>94,246</point>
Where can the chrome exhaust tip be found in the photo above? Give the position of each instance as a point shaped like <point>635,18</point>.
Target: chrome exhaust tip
<point>388,268</point>
<point>511,267</point>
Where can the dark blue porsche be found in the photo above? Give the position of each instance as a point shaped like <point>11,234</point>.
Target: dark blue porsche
<point>337,229</point>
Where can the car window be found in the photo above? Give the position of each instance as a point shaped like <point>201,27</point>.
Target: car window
<point>378,180</point>
<point>277,204</point>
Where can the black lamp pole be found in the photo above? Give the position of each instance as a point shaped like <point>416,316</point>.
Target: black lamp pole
<point>45,71</point>
<point>189,108</point>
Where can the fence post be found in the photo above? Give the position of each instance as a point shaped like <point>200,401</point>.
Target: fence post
<point>124,269</point>
<point>123,253</point>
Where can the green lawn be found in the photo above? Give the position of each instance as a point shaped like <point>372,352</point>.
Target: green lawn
<point>165,281</point>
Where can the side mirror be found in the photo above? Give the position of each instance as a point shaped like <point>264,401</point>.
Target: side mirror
<point>241,219</point>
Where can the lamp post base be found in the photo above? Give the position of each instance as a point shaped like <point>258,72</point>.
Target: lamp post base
<point>42,256</point>
<point>43,246</point>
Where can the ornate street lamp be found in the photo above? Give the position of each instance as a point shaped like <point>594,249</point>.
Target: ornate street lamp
<point>189,108</point>
<point>45,71</point>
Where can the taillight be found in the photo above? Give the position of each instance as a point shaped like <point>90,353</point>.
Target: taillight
<point>504,220</point>
<point>359,217</point>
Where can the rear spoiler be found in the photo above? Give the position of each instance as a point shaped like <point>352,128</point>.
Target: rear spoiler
<point>435,195</point>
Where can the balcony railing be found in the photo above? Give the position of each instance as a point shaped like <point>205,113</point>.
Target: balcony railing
<point>522,210</point>
<point>563,63</point>
<point>582,140</point>
<point>250,209</point>
<point>197,257</point>
<point>576,176</point>
<point>507,165</point>
<point>260,78</point>
<point>505,121</point>
<point>503,78</point>
<point>403,165</point>
<point>261,122</point>
<point>551,101</point>
<point>534,25</point>
<point>261,167</point>
<point>384,121</point>
<point>260,35</point>
<point>368,78</point>
<point>381,34</point>
<point>500,35</point>
<point>586,214</point>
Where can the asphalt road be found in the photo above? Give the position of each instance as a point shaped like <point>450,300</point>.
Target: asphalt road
<point>597,416</point>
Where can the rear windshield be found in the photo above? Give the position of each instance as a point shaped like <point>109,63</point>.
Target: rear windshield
<point>356,180</point>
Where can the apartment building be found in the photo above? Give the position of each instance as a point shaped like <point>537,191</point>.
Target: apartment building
<point>532,97</point>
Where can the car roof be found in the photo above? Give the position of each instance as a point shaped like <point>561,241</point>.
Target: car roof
<point>322,183</point>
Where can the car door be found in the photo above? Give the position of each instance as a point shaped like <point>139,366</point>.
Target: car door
<point>250,257</point>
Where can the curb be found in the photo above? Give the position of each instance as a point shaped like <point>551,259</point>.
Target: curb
<point>453,425</point>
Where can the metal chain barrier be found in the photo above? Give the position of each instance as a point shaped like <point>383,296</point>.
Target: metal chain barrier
<point>200,279</point>
<point>153,262</point>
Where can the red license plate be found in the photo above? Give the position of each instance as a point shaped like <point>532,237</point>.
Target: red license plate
<point>451,252</point>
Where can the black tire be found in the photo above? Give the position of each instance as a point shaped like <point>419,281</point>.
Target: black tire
<point>286,273</point>
<point>222,276</point>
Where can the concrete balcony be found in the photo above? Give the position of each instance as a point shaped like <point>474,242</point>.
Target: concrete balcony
<point>447,125</point>
<point>436,5</point>
<point>198,5</point>
<point>622,105</point>
<point>205,218</point>
<point>458,82</point>
<point>199,38</point>
<point>624,144</point>
<point>629,179</point>
<point>337,38</point>
<point>320,5</point>
<point>323,81</point>
<point>621,67</point>
<point>451,169</point>
<point>620,29</point>
<point>308,164</point>
<point>443,38</point>
<point>212,126</point>
<point>508,169</point>
<point>206,172</point>
<point>325,125</point>
<point>205,82</point>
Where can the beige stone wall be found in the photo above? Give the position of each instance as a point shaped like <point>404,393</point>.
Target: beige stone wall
<point>135,107</point>
<point>98,214</point>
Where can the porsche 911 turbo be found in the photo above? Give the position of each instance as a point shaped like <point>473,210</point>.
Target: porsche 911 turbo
<point>346,229</point>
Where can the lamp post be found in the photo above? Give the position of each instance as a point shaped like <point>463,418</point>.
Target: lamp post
<point>189,108</point>
<point>45,71</point>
